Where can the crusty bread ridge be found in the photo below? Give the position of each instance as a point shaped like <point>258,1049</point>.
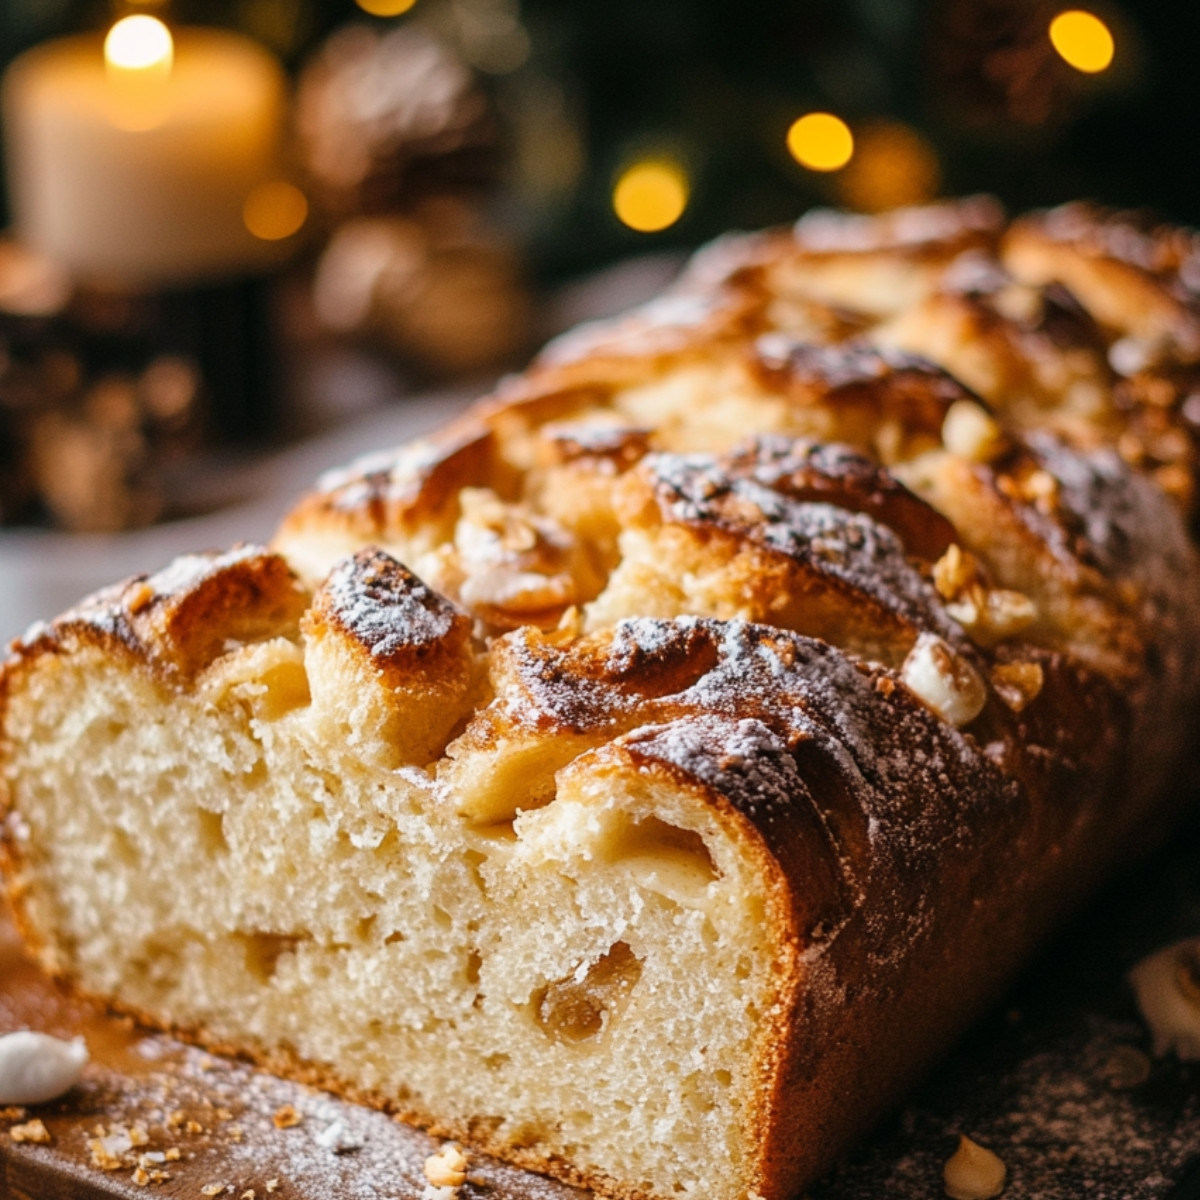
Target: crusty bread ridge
<point>646,777</point>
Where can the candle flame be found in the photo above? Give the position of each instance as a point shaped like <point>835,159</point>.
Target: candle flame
<point>385,8</point>
<point>139,43</point>
<point>138,56</point>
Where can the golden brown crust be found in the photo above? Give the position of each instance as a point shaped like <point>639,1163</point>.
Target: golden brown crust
<point>179,619</point>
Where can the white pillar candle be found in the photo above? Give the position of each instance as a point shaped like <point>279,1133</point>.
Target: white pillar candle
<point>137,175</point>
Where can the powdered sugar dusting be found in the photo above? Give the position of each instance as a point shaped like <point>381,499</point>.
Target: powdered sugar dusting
<point>846,548</point>
<point>220,1115</point>
<point>385,606</point>
<point>188,571</point>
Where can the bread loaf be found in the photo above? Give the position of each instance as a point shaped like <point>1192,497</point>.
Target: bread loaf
<point>645,778</point>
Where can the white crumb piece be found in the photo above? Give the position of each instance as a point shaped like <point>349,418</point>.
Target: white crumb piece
<point>31,1131</point>
<point>439,1193</point>
<point>212,1189</point>
<point>1167,987</point>
<point>35,1067</point>
<point>447,1168</point>
<point>117,1141</point>
<point>336,1137</point>
<point>102,1157</point>
<point>973,1172</point>
<point>272,1185</point>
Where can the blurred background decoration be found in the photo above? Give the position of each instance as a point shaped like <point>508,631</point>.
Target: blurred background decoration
<point>429,171</point>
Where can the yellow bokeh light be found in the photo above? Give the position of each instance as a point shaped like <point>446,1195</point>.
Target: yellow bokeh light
<point>385,8</point>
<point>651,195</point>
<point>820,141</point>
<point>275,210</point>
<point>139,43</point>
<point>1083,40</point>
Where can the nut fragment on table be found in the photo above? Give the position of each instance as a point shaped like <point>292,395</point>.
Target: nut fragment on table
<point>1166,985</point>
<point>448,1167</point>
<point>32,1131</point>
<point>973,1172</point>
<point>286,1117</point>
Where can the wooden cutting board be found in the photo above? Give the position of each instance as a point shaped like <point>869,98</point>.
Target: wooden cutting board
<point>217,1119</point>
<point>1057,1080</point>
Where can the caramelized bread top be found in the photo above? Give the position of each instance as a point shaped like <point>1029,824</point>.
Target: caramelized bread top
<point>867,526</point>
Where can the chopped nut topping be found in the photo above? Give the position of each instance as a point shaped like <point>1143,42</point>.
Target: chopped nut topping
<point>286,1117</point>
<point>139,598</point>
<point>989,615</point>
<point>508,559</point>
<point>223,1114</point>
<point>943,680</point>
<point>212,1189</point>
<point>1167,987</point>
<point>517,591</point>
<point>447,1168</point>
<point>973,1172</point>
<point>970,433</point>
<point>31,1131</point>
<point>12,1113</point>
<point>1018,684</point>
<point>272,1185</point>
<point>954,572</point>
<point>193,1127</point>
<point>173,1154</point>
<point>141,1177</point>
<point>993,616</point>
<point>1040,485</point>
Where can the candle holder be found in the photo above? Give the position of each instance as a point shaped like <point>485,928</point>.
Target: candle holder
<point>226,328</point>
<point>111,400</point>
<point>144,165</point>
